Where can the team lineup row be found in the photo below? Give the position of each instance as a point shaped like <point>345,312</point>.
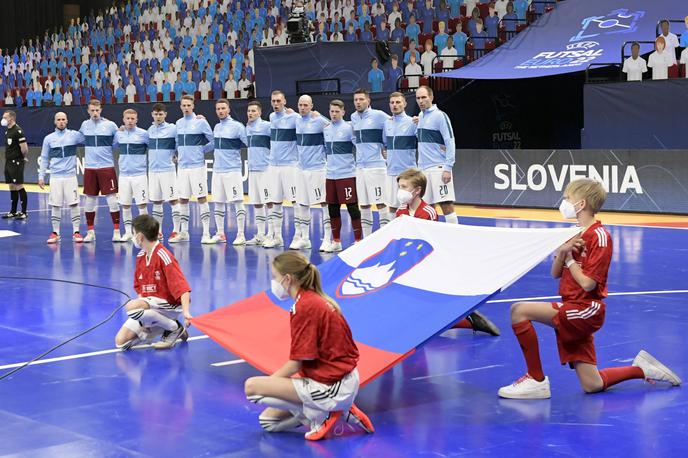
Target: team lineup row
<point>301,157</point>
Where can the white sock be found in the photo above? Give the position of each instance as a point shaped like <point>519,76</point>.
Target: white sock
<point>277,220</point>
<point>111,200</point>
<point>219,212</point>
<point>55,217</point>
<point>126,219</point>
<point>184,217</point>
<point>158,214</point>
<point>176,218</point>
<point>367,221</point>
<point>305,222</point>
<point>297,220</point>
<point>384,216</point>
<point>76,218</point>
<point>327,226</point>
<point>261,216</point>
<point>451,218</point>
<point>240,211</point>
<point>204,210</point>
<point>90,204</point>
<point>149,318</point>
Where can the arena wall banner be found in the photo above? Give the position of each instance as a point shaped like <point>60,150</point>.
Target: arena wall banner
<point>653,181</point>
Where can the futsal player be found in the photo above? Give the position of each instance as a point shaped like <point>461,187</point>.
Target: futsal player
<point>582,264</point>
<point>228,185</point>
<point>400,135</point>
<point>258,137</point>
<point>164,295</point>
<point>310,175</point>
<point>340,182</point>
<point>412,185</point>
<point>132,143</point>
<point>99,169</point>
<point>323,357</point>
<point>194,140</point>
<point>16,150</point>
<point>162,173</point>
<point>59,155</point>
<point>436,153</point>
<point>369,128</point>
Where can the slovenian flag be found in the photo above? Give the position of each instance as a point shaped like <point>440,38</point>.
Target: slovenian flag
<point>397,288</point>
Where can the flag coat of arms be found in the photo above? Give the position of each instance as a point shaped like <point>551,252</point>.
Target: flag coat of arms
<point>399,287</point>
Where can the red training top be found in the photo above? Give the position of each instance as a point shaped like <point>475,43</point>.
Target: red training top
<point>424,211</point>
<point>160,276</point>
<point>321,339</point>
<point>594,259</point>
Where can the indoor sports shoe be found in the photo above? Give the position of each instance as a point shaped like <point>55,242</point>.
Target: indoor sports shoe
<point>257,240</point>
<point>324,245</point>
<point>8,215</point>
<point>654,370</point>
<point>127,237</point>
<point>54,238</point>
<point>240,240</point>
<point>356,416</point>
<point>300,244</point>
<point>116,236</point>
<point>220,238</point>
<point>335,247</point>
<point>481,323</point>
<point>182,236</point>
<point>526,388</point>
<point>319,431</point>
<point>273,242</point>
<point>90,236</point>
<point>77,237</point>
<point>20,215</point>
<point>208,240</point>
<point>169,338</point>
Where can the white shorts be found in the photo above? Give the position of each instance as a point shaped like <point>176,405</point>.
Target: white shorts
<point>437,191</point>
<point>192,182</point>
<point>258,193</point>
<point>310,187</point>
<point>319,399</point>
<point>370,186</point>
<point>171,311</point>
<point>391,188</point>
<point>63,191</point>
<point>133,188</point>
<point>227,187</point>
<point>281,183</point>
<point>162,186</point>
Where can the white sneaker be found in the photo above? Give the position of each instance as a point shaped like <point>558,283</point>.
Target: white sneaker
<point>220,238</point>
<point>324,246</point>
<point>335,247</point>
<point>257,240</point>
<point>116,236</point>
<point>526,388</point>
<point>240,240</point>
<point>90,236</point>
<point>273,242</point>
<point>182,236</point>
<point>295,244</point>
<point>306,244</point>
<point>208,240</point>
<point>127,237</point>
<point>654,370</point>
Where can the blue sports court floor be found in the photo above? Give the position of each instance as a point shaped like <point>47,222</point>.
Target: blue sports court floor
<point>87,399</point>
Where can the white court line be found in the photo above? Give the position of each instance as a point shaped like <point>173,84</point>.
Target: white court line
<point>228,363</point>
<point>4,233</point>
<point>116,350</point>
<point>462,371</point>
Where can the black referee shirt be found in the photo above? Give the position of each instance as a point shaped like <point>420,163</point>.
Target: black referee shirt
<point>13,137</point>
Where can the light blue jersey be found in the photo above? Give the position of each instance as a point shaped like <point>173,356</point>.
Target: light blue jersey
<point>194,139</point>
<point>132,145</point>
<point>59,153</point>
<point>310,142</point>
<point>369,128</point>
<point>339,146</point>
<point>400,135</point>
<point>283,138</point>
<point>436,143</point>
<point>258,136</point>
<point>162,146</point>
<point>230,137</point>
<point>99,136</point>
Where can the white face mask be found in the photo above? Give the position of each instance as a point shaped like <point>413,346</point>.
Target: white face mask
<point>404,196</point>
<point>278,290</point>
<point>567,209</point>
<point>3,123</point>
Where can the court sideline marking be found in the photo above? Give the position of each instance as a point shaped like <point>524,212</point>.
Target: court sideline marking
<point>239,361</point>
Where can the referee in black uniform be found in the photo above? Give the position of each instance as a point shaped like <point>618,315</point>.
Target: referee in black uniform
<point>16,150</point>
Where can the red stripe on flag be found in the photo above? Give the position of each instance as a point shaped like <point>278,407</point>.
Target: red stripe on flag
<point>257,330</point>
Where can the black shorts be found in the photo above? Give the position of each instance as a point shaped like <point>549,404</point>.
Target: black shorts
<point>14,171</point>
<point>341,191</point>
